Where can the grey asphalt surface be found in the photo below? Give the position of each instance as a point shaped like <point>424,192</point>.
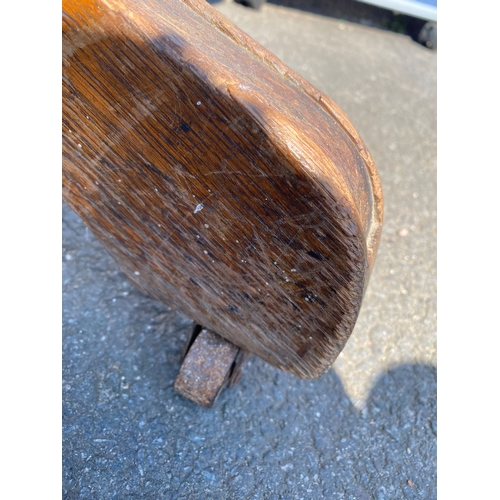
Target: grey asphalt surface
<point>366,429</point>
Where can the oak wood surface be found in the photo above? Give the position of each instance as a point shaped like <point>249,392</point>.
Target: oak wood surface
<point>222,183</point>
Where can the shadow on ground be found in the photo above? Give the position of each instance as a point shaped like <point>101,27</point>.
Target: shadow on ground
<point>127,434</point>
<point>355,12</point>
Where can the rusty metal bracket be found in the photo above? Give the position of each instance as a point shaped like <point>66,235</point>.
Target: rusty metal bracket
<point>209,362</point>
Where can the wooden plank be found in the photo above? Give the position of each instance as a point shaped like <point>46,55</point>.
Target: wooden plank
<point>222,183</point>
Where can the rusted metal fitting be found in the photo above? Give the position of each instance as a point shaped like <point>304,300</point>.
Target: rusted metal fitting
<point>210,361</point>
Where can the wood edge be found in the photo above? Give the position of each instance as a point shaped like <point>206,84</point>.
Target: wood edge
<point>219,21</point>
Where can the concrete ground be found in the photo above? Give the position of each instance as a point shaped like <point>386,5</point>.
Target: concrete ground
<point>366,429</point>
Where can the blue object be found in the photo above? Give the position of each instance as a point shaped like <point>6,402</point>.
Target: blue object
<point>423,9</point>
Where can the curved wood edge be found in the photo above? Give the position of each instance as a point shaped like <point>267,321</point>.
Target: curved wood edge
<point>244,97</point>
<point>216,19</point>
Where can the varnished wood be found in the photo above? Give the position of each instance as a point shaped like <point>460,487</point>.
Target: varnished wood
<point>221,182</point>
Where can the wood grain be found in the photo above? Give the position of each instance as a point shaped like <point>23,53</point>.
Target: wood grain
<point>222,183</point>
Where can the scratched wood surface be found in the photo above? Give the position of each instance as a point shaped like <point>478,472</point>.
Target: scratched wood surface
<point>222,183</point>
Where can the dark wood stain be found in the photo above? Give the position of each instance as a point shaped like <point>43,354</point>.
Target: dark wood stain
<point>221,182</point>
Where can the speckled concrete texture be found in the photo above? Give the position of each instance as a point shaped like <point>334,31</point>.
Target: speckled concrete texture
<point>366,429</point>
